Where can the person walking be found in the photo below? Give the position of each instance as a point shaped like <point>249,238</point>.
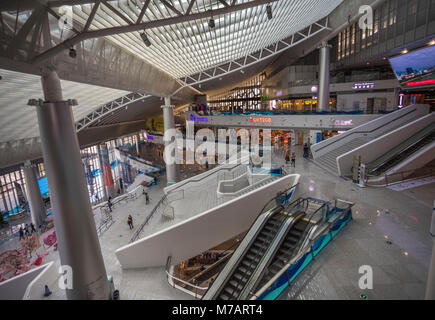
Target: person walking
<point>26,230</point>
<point>287,157</point>
<point>32,228</point>
<point>293,163</point>
<point>21,233</point>
<point>147,198</point>
<point>130,221</point>
<point>109,204</point>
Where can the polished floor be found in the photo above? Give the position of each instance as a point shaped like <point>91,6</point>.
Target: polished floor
<point>389,232</point>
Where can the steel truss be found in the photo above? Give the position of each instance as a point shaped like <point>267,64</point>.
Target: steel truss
<point>251,59</point>
<point>108,108</point>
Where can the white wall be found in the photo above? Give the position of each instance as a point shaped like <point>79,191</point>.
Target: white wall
<point>371,128</point>
<point>35,290</point>
<point>378,147</point>
<point>200,233</point>
<point>345,101</point>
<point>15,288</point>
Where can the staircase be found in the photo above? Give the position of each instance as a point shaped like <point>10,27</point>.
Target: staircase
<point>329,160</point>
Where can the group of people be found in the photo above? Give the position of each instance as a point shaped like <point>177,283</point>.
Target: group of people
<point>28,230</point>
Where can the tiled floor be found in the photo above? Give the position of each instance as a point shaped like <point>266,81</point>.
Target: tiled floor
<point>399,270</point>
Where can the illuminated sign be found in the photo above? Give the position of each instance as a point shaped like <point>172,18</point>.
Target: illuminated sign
<point>343,122</point>
<point>149,137</point>
<point>43,185</point>
<point>363,85</point>
<point>420,83</point>
<point>197,119</point>
<point>260,120</point>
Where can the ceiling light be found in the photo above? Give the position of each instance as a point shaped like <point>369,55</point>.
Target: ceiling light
<point>404,51</point>
<point>269,11</point>
<point>432,43</point>
<point>72,52</point>
<point>211,23</point>
<point>145,39</point>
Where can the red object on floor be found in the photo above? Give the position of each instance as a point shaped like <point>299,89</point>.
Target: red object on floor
<point>38,261</point>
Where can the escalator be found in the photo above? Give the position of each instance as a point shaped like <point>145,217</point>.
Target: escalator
<point>402,151</point>
<point>267,247</point>
<point>288,250</point>
<point>251,259</point>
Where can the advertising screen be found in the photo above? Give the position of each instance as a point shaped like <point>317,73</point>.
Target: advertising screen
<point>415,69</point>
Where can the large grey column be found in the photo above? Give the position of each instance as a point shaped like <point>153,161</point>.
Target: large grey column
<point>76,234</point>
<point>169,123</point>
<point>324,78</point>
<point>37,207</point>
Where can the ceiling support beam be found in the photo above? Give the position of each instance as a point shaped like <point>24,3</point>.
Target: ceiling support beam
<point>140,26</point>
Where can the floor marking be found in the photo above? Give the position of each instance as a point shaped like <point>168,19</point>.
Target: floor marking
<point>412,184</point>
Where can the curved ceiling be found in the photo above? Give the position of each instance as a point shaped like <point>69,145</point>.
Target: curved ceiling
<point>19,121</point>
<point>186,48</point>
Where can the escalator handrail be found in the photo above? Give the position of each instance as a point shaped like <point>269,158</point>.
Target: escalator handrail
<point>402,147</point>
<point>401,155</point>
<point>278,204</point>
<point>298,255</point>
<point>258,255</point>
<point>270,254</point>
<point>309,225</point>
<point>284,221</point>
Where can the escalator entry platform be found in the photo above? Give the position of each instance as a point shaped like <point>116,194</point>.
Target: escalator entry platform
<point>279,245</point>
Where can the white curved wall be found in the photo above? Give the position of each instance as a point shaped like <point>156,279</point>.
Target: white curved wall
<point>200,233</point>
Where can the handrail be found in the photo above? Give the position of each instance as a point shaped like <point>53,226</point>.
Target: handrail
<point>205,175</point>
<point>272,238</point>
<point>169,275</point>
<point>277,201</point>
<point>299,255</point>
<point>430,170</point>
<point>403,150</point>
<point>351,132</point>
<point>138,231</point>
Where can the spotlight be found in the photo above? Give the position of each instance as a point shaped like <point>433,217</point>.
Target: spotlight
<point>269,11</point>
<point>211,23</point>
<point>432,43</point>
<point>145,39</point>
<point>72,52</point>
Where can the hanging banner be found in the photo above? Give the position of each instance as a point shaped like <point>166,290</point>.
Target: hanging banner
<point>107,172</point>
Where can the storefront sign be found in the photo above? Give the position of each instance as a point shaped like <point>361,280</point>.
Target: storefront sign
<point>197,119</point>
<point>363,85</point>
<point>343,122</point>
<point>260,120</point>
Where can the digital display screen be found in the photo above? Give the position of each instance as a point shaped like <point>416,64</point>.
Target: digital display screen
<point>43,186</point>
<point>415,69</point>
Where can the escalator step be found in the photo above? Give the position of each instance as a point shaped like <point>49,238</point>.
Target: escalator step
<point>223,296</point>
